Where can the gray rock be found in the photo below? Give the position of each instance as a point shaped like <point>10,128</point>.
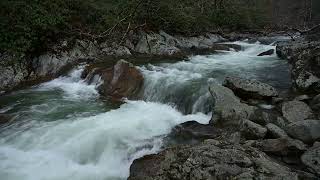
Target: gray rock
<point>250,89</point>
<point>193,131</point>
<point>209,160</point>
<point>227,107</point>
<point>281,146</point>
<point>275,131</point>
<point>295,111</point>
<point>267,53</point>
<point>251,130</point>
<point>307,131</point>
<point>302,98</point>
<point>311,158</point>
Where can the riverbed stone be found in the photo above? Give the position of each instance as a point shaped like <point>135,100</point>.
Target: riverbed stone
<point>315,105</point>
<point>250,89</point>
<point>211,159</point>
<point>307,130</point>
<point>295,111</point>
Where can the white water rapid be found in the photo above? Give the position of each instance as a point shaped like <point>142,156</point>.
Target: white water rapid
<point>64,131</point>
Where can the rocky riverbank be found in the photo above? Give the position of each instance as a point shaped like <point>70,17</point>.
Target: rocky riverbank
<point>245,141</point>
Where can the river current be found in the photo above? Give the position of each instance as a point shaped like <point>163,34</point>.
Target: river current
<point>63,130</point>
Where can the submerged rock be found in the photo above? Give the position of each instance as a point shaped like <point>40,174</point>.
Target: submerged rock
<point>250,89</point>
<point>123,80</point>
<point>311,158</point>
<point>307,131</point>
<point>267,53</point>
<point>295,111</point>
<point>209,160</point>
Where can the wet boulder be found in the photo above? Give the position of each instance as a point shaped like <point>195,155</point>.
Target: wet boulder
<point>306,131</point>
<point>295,111</point>
<point>192,131</point>
<point>311,158</point>
<point>228,110</point>
<point>209,160</point>
<point>123,80</point>
<point>250,89</point>
<point>267,53</point>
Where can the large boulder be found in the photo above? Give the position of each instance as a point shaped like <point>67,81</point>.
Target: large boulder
<point>295,111</point>
<point>311,158</point>
<point>250,89</point>
<point>123,80</point>
<point>307,131</point>
<point>228,109</point>
<point>209,160</point>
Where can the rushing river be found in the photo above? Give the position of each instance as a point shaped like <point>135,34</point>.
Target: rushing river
<point>63,130</point>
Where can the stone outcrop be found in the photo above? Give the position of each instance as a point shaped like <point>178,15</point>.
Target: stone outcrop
<point>51,64</point>
<point>304,56</point>
<point>250,89</point>
<point>209,160</point>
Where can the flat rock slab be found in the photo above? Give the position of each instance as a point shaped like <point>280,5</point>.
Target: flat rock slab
<point>250,89</point>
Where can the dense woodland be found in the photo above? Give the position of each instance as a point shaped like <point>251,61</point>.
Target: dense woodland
<point>32,25</point>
